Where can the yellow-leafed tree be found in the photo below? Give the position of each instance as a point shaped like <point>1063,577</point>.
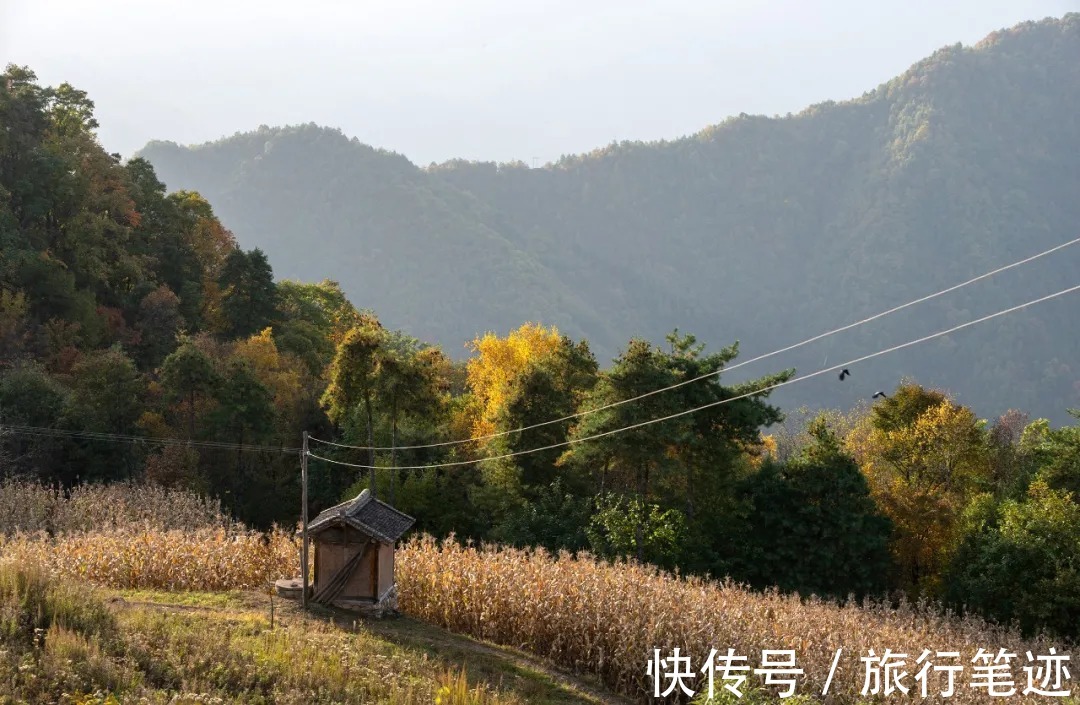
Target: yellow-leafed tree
<point>496,364</point>
<point>279,373</point>
<point>925,457</point>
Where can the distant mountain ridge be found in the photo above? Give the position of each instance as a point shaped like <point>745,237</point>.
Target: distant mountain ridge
<point>765,230</point>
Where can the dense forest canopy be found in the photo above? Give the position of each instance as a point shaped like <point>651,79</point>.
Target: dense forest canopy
<point>140,341</point>
<point>765,230</point>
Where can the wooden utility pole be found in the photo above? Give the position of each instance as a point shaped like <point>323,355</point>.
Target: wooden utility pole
<point>304,519</point>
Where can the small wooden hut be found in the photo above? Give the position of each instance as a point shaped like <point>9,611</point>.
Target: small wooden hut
<point>354,552</point>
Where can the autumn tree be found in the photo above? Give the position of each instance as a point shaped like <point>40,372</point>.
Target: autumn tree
<point>793,436</point>
<point>324,305</point>
<point>280,374</point>
<point>538,399</point>
<point>26,172</point>
<point>924,458</point>
<point>1012,462</point>
<point>545,390</point>
<point>67,220</point>
<point>381,379</point>
<point>245,410</point>
<point>30,396</point>
<point>411,384</point>
<point>624,525</point>
<point>164,239</point>
<point>202,237</point>
<point>97,212</point>
<point>175,466</point>
<point>106,388</point>
<point>1057,455</point>
<point>497,362</point>
<point>633,459</point>
<point>354,381</point>
<point>557,519</point>
<point>531,376</point>
<point>71,110</point>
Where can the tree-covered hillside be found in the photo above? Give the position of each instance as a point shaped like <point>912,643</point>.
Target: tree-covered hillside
<point>768,230</point>
<point>139,342</point>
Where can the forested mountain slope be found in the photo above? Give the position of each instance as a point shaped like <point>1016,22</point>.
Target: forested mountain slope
<point>765,230</point>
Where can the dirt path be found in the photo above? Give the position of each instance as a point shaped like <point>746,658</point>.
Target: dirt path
<point>410,632</point>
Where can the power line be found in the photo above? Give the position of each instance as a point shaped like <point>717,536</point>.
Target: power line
<point>138,440</point>
<point>669,417</point>
<point>718,372</point>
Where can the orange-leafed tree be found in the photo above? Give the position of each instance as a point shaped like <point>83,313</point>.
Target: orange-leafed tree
<point>211,243</point>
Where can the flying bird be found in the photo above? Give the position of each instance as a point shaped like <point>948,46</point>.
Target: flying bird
<point>880,394</point>
<point>844,373</point>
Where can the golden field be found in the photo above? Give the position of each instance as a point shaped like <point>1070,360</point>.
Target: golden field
<point>587,615</point>
<point>584,614</point>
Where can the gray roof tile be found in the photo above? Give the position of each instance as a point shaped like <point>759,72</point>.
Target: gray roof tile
<point>371,516</point>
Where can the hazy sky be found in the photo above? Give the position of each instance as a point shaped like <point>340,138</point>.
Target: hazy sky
<point>479,79</point>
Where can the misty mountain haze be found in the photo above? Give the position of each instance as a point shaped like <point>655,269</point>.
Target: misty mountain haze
<point>762,230</point>
<point>477,79</point>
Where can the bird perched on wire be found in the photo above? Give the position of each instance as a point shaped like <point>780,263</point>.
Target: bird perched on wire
<point>880,394</point>
<point>844,373</point>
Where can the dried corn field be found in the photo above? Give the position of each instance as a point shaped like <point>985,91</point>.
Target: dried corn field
<point>607,619</point>
<point>203,559</point>
<point>29,507</point>
<point>138,536</point>
<point>587,615</point>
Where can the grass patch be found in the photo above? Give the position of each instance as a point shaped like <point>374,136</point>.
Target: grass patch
<point>233,599</point>
<point>70,644</point>
<point>31,603</point>
<point>534,679</point>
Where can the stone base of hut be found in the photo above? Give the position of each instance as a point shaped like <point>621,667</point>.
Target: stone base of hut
<point>385,606</point>
<point>292,589</point>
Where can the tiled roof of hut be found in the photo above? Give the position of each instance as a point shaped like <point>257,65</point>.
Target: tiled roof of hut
<point>367,514</point>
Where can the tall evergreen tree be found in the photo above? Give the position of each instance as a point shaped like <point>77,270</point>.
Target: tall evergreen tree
<point>669,464</point>
<point>248,293</point>
<point>186,374</point>
<point>810,525</point>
